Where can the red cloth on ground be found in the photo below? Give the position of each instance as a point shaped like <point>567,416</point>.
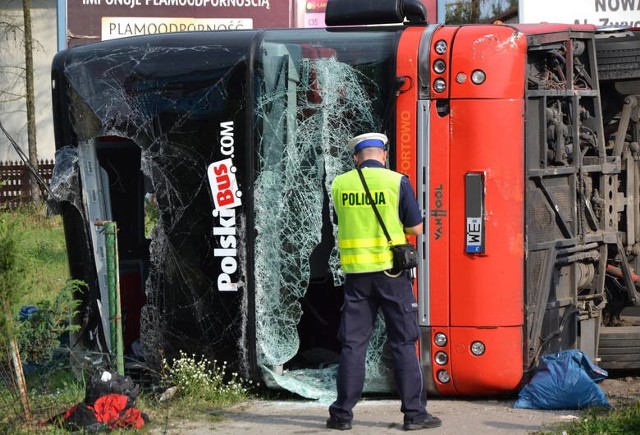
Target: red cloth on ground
<point>114,410</point>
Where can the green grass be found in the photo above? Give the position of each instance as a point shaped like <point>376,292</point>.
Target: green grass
<point>45,253</point>
<point>41,274</point>
<point>622,420</point>
<point>54,387</point>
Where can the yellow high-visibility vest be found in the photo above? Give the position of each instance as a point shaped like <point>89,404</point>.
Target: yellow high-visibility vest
<point>362,243</point>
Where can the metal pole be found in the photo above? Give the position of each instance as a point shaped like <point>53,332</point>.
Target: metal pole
<point>113,283</point>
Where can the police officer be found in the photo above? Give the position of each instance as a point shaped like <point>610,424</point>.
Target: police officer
<point>371,284</point>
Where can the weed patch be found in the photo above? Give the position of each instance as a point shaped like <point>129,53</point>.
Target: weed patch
<point>199,381</point>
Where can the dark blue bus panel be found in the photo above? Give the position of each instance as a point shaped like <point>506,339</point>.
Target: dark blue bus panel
<point>214,152</point>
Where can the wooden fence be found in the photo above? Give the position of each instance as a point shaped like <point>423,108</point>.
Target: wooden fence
<point>15,182</point>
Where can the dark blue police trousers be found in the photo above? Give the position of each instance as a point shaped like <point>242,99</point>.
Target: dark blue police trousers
<point>364,293</point>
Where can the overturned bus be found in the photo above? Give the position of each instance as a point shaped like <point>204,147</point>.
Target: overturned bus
<point>214,153</point>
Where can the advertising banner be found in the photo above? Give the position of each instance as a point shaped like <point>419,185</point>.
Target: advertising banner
<point>95,20</point>
<point>602,13</point>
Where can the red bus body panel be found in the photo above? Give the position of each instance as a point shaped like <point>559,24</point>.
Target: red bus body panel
<point>481,297</point>
<point>406,120</point>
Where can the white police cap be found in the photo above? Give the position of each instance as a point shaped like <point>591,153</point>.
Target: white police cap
<point>366,140</point>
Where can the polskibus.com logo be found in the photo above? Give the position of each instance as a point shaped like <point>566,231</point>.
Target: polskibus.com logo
<point>226,198</point>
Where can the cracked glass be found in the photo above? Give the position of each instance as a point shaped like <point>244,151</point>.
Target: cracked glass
<point>215,156</point>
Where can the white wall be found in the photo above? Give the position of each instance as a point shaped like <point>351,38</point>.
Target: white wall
<point>13,112</point>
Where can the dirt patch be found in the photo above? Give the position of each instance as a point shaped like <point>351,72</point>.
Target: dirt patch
<point>622,391</point>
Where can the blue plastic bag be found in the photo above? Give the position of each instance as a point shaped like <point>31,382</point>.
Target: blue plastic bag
<point>564,380</point>
<point>27,311</point>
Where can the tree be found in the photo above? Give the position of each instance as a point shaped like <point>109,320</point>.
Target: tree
<point>16,78</point>
<point>11,76</point>
<point>462,12</point>
<point>31,111</point>
<point>476,11</point>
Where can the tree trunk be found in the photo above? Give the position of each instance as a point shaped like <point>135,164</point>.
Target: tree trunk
<point>22,384</point>
<point>475,11</point>
<point>30,97</point>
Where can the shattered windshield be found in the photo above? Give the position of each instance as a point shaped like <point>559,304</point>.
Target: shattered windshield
<point>312,97</point>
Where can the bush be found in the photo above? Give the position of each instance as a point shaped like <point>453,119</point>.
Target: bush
<point>12,276</point>
<point>39,334</point>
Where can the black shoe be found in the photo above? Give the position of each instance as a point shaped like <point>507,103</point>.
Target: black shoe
<point>338,425</point>
<point>427,423</point>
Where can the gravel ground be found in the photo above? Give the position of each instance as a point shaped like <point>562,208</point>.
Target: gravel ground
<point>477,417</point>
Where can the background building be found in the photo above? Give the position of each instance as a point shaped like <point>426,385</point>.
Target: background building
<point>13,112</point>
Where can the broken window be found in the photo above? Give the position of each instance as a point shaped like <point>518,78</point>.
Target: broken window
<point>312,99</point>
